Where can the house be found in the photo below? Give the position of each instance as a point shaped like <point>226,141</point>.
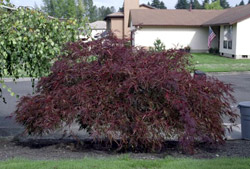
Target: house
<point>181,28</point>
<point>97,29</point>
<point>118,22</point>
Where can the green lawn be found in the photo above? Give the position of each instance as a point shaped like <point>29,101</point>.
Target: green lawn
<point>128,163</point>
<point>214,63</point>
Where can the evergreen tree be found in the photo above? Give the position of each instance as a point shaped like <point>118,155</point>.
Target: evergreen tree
<point>196,5</point>
<point>224,4</point>
<point>249,2</point>
<point>192,3</point>
<point>91,10</point>
<point>76,9</point>
<point>121,9</point>
<point>104,11</point>
<point>242,3</point>
<point>63,9</point>
<point>162,5</point>
<point>157,4</point>
<point>182,4</point>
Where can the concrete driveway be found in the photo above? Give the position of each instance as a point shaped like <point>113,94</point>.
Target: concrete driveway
<point>240,82</point>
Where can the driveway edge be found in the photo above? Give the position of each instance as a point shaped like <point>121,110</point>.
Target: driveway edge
<point>26,79</point>
<point>227,73</point>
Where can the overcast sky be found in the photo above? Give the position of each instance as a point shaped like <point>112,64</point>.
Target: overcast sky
<point>116,3</point>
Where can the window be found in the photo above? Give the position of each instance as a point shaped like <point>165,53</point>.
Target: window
<point>228,34</point>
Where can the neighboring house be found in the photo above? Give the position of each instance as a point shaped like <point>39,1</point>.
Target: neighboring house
<point>181,28</point>
<point>118,22</point>
<point>98,28</point>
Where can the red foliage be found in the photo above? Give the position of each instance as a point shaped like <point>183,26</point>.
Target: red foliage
<point>137,97</point>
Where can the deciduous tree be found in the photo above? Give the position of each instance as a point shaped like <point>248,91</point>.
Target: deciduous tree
<point>214,5</point>
<point>134,98</point>
<point>204,3</point>
<point>223,3</point>
<point>30,42</point>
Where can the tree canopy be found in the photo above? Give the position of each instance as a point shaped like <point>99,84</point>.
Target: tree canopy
<point>223,3</point>
<point>196,4</point>
<point>242,3</point>
<point>182,4</point>
<point>30,41</point>
<point>214,5</point>
<point>157,4</point>
<point>204,3</point>
<point>104,11</point>
<point>76,9</point>
<point>64,8</point>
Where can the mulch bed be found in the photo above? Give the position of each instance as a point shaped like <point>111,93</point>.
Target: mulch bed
<point>68,149</point>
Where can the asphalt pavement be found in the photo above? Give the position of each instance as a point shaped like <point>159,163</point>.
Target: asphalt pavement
<point>239,81</point>
<point>8,127</point>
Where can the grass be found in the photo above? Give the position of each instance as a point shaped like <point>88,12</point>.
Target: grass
<point>128,163</point>
<point>214,63</point>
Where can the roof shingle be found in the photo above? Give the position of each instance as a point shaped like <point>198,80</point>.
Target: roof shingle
<point>189,18</point>
<point>231,16</point>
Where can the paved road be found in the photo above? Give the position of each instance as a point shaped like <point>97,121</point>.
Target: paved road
<point>7,126</point>
<point>240,82</point>
<point>241,85</point>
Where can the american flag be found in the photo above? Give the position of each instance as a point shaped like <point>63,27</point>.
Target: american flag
<point>211,36</point>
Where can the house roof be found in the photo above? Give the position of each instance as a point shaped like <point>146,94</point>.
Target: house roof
<point>177,17</point>
<point>98,25</point>
<point>231,16</point>
<point>182,17</point>
<point>147,6</point>
<point>115,15</point>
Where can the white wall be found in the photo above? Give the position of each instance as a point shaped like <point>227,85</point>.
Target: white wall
<point>228,52</point>
<point>195,37</point>
<point>243,36</point>
<point>97,32</point>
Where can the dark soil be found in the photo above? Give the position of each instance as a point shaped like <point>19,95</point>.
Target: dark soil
<point>68,149</point>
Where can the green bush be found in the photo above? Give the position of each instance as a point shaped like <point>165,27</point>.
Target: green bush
<point>214,51</point>
<point>30,41</point>
<point>158,46</point>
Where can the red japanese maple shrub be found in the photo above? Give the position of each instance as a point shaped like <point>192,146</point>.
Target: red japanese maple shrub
<point>136,98</point>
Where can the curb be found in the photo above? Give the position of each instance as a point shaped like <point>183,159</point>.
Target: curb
<point>6,132</point>
<point>27,79</point>
<point>227,73</point>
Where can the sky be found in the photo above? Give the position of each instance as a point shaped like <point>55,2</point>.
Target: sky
<point>116,3</point>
